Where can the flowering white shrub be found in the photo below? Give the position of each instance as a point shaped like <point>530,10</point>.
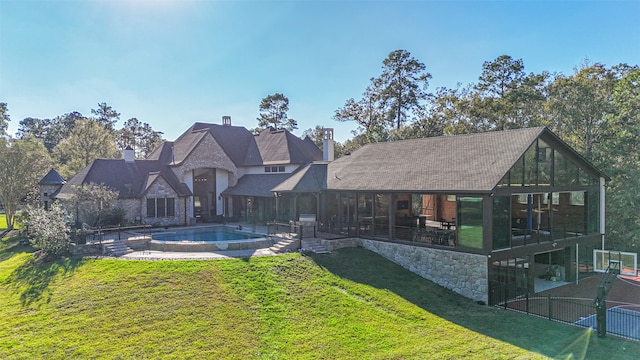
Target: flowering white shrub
<point>48,230</point>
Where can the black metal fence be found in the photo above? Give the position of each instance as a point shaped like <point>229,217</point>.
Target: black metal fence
<point>292,229</point>
<point>621,320</point>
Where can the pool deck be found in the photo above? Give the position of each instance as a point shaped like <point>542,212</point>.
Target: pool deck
<point>205,255</point>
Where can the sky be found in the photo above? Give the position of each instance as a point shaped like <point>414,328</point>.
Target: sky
<point>173,63</point>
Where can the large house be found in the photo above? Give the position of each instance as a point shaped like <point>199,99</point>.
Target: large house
<point>487,215</point>
<point>210,173</point>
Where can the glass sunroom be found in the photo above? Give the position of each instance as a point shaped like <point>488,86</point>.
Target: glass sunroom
<point>522,199</point>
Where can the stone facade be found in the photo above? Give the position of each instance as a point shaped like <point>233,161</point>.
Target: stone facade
<point>464,273</point>
<point>207,154</point>
<point>45,194</point>
<point>160,189</point>
<point>132,208</point>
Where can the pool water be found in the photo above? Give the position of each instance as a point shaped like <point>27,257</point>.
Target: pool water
<point>217,233</point>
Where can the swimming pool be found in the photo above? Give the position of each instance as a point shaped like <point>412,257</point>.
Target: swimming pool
<point>210,233</point>
<point>209,238</point>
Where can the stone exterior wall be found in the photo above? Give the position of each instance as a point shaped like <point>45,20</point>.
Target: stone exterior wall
<point>207,154</point>
<point>464,273</point>
<point>47,189</point>
<point>132,208</point>
<point>161,189</point>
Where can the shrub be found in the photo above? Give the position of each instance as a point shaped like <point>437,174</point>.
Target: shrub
<point>48,230</point>
<point>113,217</point>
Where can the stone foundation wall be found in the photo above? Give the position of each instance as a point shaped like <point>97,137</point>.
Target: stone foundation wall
<point>336,244</point>
<point>465,274</point>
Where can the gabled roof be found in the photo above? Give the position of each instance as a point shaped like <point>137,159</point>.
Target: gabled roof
<point>473,163</point>
<point>52,178</point>
<point>279,147</point>
<point>130,179</point>
<point>311,178</point>
<point>256,185</point>
<point>242,147</point>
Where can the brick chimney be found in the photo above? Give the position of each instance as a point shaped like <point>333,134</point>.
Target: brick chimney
<point>327,145</point>
<point>226,120</point>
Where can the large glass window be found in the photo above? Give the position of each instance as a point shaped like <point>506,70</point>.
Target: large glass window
<point>593,212</point>
<point>501,222</point>
<point>545,162</point>
<point>365,213</point>
<point>560,174</point>
<point>531,166</point>
<point>381,221</point>
<point>470,221</point>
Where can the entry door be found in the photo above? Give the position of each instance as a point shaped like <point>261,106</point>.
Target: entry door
<point>346,220</point>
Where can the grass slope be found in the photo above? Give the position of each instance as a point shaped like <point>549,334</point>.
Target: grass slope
<point>351,304</point>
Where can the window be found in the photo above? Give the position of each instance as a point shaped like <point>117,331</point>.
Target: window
<point>161,207</point>
<point>470,219</point>
<point>274,169</point>
<point>577,198</point>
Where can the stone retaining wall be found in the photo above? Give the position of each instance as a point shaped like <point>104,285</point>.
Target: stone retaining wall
<point>465,274</point>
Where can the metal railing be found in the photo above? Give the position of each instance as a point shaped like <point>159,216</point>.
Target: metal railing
<point>292,230</point>
<point>621,320</point>
<point>99,234</point>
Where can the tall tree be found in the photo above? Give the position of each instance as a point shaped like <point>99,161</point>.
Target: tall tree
<point>507,97</point>
<point>87,141</point>
<point>50,131</point>
<point>404,82</point>
<point>273,112</point>
<point>4,118</point>
<point>619,158</point>
<point>501,75</point>
<point>427,124</point>
<point>579,103</point>
<point>23,162</point>
<point>368,112</point>
<point>139,136</point>
<point>106,116</point>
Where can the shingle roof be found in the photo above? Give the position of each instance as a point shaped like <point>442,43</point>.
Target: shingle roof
<point>280,146</point>
<point>256,185</point>
<point>473,163</point>
<point>311,178</point>
<point>130,179</point>
<point>242,147</point>
<point>52,178</point>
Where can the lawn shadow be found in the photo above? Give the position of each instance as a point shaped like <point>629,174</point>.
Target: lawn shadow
<point>32,279</point>
<point>10,246</point>
<point>527,332</point>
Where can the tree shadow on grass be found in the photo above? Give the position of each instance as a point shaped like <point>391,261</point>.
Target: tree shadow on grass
<point>10,246</point>
<point>32,279</point>
<point>527,332</point>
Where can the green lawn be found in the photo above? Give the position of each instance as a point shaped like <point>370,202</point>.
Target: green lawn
<point>3,221</point>
<point>351,304</point>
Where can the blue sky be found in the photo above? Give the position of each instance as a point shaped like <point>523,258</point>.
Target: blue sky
<point>172,63</point>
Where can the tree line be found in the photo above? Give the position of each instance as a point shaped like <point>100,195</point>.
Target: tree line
<point>596,110</point>
<point>68,143</point>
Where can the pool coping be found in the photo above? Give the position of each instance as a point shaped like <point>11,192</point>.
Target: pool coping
<point>143,242</point>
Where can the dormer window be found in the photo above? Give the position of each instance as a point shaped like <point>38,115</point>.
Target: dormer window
<point>274,169</point>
